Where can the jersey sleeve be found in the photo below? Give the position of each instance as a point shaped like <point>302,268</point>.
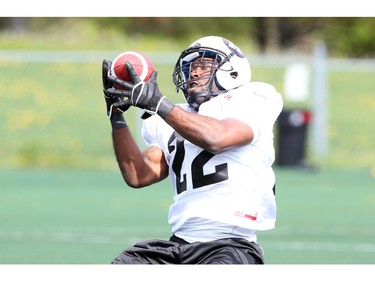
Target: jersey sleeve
<point>149,131</point>
<point>155,131</point>
<point>259,105</point>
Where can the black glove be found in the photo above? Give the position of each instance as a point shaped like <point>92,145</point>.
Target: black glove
<point>116,105</point>
<point>145,95</point>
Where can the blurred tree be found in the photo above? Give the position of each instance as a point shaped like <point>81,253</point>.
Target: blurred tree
<point>271,35</point>
<point>283,34</point>
<point>353,37</point>
<point>182,28</point>
<point>14,25</point>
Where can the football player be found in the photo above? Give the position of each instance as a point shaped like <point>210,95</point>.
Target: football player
<point>217,149</point>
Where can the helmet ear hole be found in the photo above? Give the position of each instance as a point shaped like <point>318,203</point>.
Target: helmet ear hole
<point>234,74</point>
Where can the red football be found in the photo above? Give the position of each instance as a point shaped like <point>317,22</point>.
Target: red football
<point>141,63</point>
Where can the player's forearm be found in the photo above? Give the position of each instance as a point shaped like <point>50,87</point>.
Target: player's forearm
<point>130,159</point>
<point>209,133</point>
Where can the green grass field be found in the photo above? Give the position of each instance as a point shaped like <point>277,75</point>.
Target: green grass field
<point>88,217</point>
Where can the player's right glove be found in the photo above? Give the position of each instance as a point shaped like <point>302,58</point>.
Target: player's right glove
<point>115,104</point>
<point>145,95</point>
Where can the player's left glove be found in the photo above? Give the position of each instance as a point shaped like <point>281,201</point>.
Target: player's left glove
<point>145,95</point>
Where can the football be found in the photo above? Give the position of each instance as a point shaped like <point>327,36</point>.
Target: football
<point>141,63</point>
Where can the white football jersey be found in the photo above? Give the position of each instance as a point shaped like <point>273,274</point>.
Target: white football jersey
<point>228,194</point>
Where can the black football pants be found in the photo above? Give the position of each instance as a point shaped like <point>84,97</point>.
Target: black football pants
<point>178,251</point>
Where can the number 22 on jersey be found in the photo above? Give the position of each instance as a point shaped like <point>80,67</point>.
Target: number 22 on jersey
<point>199,179</point>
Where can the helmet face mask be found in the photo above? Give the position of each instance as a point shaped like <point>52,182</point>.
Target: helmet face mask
<point>225,68</point>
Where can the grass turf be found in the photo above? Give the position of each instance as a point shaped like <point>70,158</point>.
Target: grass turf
<point>88,217</point>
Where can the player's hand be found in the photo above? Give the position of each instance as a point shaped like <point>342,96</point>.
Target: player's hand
<point>145,95</point>
<point>115,104</point>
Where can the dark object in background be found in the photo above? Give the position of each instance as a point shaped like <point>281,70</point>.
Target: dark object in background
<point>292,137</point>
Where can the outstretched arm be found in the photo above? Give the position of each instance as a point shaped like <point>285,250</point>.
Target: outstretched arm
<point>138,169</point>
<point>208,133</point>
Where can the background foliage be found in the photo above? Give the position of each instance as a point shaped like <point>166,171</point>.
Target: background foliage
<point>345,36</point>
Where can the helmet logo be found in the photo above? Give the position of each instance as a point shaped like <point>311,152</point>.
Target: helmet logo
<point>233,48</point>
